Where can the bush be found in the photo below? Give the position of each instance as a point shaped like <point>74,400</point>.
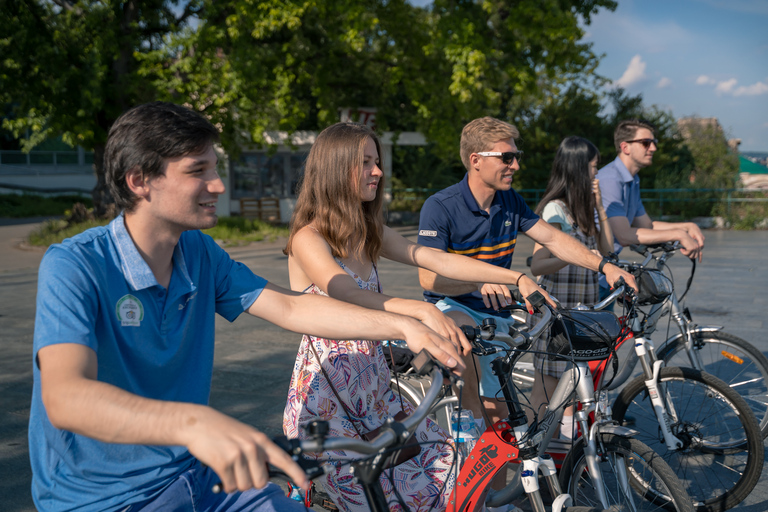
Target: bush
<point>234,231</point>
<point>32,205</point>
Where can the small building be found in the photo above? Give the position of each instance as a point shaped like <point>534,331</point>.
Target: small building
<point>752,175</point>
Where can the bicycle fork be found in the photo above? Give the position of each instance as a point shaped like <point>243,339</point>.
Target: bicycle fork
<point>662,404</point>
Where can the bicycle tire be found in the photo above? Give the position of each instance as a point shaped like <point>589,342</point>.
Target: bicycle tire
<point>746,370</point>
<point>722,458</point>
<point>653,484</point>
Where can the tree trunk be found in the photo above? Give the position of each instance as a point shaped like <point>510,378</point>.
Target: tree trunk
<point>103,204</point>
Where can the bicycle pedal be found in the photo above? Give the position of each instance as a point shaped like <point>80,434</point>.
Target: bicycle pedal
<point>322,499</point>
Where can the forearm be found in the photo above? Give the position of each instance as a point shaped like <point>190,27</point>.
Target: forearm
<point>438,284</point>
<point>652,236</point>
<point>452,270</point>
<point>546,266</point>
<point>667,226</point>
<point>109,414</point>
<point>327,317</point>
<point>373,300</point>
<point>605,236</point>
<point>569,250</point>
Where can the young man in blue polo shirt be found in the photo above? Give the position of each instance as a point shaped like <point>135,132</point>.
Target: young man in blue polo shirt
<point>124,337</point>
<point>635,144</point>
<point>481,217</point>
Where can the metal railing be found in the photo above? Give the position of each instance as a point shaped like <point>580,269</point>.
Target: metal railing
<point>661,200</point>
<point>46,158</point>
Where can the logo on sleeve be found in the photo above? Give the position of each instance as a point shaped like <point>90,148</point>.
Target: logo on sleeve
<point>426,232</point>
<point>130,311</point>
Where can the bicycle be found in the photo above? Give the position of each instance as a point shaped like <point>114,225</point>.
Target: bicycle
<point>394,435</point>
<point>622,472</point>
<point>707,348</point>
<point>704,429</point>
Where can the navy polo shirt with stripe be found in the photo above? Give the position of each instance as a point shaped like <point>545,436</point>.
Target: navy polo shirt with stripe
<point>452,221</point>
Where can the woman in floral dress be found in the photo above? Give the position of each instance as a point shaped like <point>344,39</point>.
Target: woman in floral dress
<point>337,236</point>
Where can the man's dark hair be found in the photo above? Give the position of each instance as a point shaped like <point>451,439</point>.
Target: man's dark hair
<point>147,135</point>
<point>627,129</point>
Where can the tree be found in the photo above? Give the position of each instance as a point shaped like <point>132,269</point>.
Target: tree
<point>70,68</point>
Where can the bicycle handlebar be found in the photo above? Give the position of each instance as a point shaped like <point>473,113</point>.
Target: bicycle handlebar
<point>480,335</point>
<point>620,288</point>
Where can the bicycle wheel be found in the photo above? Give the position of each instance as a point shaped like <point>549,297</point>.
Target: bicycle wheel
<point>731,359</point>
<point>633,477</point>
<point>722,454</point>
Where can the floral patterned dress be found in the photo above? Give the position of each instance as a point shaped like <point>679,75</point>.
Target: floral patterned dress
<point>361,377</point>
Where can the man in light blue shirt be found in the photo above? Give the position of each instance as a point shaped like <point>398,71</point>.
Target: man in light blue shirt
<point>124,338</point>
<point>635,144</point>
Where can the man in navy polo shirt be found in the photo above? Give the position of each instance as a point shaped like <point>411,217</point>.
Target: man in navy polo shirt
<point>124,339</point>
<point>481,217</point>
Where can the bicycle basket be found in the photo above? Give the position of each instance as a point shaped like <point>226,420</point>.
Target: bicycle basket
<point>653,287</point>
<point>593,335</point>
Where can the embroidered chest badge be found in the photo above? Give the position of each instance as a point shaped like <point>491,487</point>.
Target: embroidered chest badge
<point>507,223</point>
<point>130,311</point>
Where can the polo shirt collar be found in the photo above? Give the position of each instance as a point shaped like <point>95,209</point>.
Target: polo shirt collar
<point>135,269</point>
<point>471,202</point>
<point>626,176</point>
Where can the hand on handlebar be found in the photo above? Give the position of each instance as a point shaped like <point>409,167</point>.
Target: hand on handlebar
<point>445,327</point>
<point>420,337</point>
<point>238,453</point>
<point>527,287</point>
<point>693,243</point>
<point>495,296</point>
<point>613,274</point>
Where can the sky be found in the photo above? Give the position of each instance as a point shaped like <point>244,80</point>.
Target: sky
<point>705,58</point>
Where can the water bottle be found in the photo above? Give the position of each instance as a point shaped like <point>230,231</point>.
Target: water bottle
<point>296,493</point>
<point>465,433</point>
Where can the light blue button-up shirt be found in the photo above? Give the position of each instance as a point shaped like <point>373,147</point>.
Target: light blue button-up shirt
<point>621,194</point>
<point>96,290</point>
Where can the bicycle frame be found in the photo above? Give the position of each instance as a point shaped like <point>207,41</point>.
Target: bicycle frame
<point>503,443</point>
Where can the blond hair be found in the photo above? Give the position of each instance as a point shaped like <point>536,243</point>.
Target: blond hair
<point>481,135</point>
<point>329,195</point>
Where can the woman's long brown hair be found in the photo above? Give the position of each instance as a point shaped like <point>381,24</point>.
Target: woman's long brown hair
<point>329,197</point>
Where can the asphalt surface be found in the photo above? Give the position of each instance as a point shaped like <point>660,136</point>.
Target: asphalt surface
<point>254,359</point>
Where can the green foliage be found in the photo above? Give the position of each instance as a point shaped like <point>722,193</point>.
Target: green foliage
<point>234,231</point>
<point>71,67</point>
<point>230,231</point>
<point>31,205</point>
<point>744,210</point>
<point>55,231</point>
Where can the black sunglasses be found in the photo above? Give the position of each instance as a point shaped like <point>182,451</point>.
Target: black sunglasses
<point>507,157</point>
<point>645,142</point>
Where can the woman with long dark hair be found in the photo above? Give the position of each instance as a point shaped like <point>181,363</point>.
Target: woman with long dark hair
<point>337,237</point>
<point>571,202</point>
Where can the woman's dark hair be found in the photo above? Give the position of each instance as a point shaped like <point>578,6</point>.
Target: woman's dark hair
<point>145,137</point>
<point>570,182</point>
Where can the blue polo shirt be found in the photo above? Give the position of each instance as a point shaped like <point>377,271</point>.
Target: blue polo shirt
<point>452,221</point>
<point>621,194</point>
<point>96,290</point>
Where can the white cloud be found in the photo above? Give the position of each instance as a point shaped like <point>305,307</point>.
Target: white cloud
<point>729,87</point>
<point>726,86</point>
<point>634,73</point>
<point>752,90</point>
<point>664,83</point>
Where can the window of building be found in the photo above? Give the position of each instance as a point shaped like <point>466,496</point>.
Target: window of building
<point>263,175</point>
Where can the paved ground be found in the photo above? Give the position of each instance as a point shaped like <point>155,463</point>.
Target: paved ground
<point>254,359</point>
